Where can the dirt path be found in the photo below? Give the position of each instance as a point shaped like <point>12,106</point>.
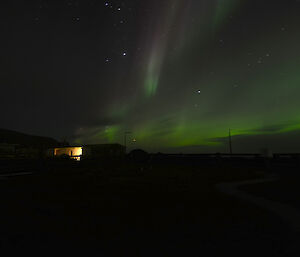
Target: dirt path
<point>288,213</point>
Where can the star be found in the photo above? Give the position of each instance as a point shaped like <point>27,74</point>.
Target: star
<point>199,91</point>
<point>124,54</point>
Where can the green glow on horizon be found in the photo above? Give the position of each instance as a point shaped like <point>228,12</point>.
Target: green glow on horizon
<point>104,135</point>
<point>111,133</point>
<point>188,129</point>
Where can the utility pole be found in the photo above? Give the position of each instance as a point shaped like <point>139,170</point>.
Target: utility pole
<point>230,143</point>
<point>125,138</point>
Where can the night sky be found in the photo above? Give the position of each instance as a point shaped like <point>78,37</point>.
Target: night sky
<point>176,73</point>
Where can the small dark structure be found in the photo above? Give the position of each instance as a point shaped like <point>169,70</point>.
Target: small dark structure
<point>138,155</point>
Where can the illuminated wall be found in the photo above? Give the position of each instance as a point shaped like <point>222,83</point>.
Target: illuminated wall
<point>71,151</point>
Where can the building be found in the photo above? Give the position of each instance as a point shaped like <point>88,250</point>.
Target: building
<point>103,151</point>
<point>97,151</point>
<point>17,151</point>
<point>74,152</point>
<point>28,153</point>
<point>8,151</point>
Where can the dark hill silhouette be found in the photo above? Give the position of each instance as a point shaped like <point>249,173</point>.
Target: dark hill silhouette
<point>13,137</point>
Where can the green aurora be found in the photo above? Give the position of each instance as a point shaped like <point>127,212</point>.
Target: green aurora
<point>177,74</point>
<point>249,82</point>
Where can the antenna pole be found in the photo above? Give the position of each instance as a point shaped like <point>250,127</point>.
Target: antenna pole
<point>230,142</point>
<point>125,138</point>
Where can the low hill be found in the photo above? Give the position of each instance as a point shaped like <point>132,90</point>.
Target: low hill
<point>13,137</point>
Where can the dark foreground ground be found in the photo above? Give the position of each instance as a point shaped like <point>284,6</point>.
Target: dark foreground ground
<point>124,209</point>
